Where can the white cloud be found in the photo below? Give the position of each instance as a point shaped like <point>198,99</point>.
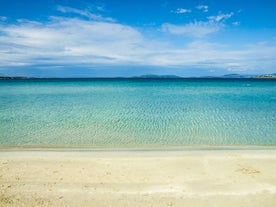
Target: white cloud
<point>236,23</point>
<point>84,13</point>
<point>88,43</point>
<point>196,29</point>
<point>3,18</point>
<point>100,7</point>
<point>199,29</point>
<point>69,40</point>
<point>220,17</point>
<point>182,11</point>
<point>204,8</point>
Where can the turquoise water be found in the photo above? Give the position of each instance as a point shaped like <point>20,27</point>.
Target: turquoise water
<point>137,113</point>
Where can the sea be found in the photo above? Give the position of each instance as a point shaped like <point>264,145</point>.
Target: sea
<point>137,113</point>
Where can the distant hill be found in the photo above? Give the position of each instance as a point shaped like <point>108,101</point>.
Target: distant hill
<point>174,76</point>
<point>157,76</point>
<point>237,76</point>
<point>227,76</point>
<point>14,77</point>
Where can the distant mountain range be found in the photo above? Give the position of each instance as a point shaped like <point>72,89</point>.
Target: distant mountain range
<point>157,76</point>
<point>236,76</point>
<point>224,76</point>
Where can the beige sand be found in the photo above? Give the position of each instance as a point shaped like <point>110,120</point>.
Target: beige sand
<point>175,178</point>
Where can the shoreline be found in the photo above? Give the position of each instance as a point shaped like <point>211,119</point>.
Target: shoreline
<point>194,178</point>
<point>140,149</point>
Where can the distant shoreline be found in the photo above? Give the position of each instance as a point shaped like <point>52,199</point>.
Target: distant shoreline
<point>138,78</point>
<point>152,76</point>
<point>137,149</point>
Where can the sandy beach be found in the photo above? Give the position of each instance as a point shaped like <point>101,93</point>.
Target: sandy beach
<point>193,178</point>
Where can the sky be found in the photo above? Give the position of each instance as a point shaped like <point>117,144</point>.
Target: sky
<point>114,38</point>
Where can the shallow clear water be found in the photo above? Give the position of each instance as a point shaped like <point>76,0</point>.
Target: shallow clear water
<point>137,113</point>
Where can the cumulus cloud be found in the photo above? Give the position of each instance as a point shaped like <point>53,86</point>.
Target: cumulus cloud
<point>182,11</point>
<point>204,8</point>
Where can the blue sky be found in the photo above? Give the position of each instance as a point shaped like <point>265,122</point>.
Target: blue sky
<point>109,38</point>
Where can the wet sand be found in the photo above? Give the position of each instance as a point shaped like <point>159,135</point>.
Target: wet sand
<point>194,178</point>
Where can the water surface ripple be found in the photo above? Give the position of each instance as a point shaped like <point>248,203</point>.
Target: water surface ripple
<point>137,112</point>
